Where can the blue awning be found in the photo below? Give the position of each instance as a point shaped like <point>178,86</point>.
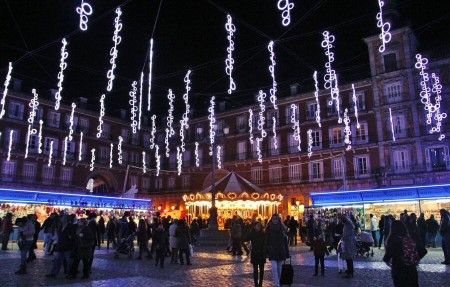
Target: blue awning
<point>380,195</point>
<point>73,200</point>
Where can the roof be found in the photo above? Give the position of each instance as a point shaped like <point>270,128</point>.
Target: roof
<point>233,182</point>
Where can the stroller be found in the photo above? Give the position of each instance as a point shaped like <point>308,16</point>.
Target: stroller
<point>363,243</point>
<point>125,246</point>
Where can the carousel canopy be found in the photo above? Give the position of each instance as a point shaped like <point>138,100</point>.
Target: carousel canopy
<point>233,182</point>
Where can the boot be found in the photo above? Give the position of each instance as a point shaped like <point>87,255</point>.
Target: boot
<point>22,270</point>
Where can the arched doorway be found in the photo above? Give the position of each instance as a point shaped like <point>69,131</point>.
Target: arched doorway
<point>104,182</point>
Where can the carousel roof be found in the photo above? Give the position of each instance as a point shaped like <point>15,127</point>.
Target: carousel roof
<point>233,182</point>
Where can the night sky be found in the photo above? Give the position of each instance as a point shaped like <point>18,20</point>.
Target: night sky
<point>190,34</point>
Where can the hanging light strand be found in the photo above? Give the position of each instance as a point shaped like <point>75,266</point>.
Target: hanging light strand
<point>273,90</point>
<point>50,154</point>
<point>28,140</point>
<point>150,75</point>
<point>40,136</point>
<point>316,95</point>
<point>5,90</point>
<point>274,130</point>
<point>212,122</point>
<point>80,151</point>
<point>197,160</point>
<point>158,160</point>
<point>330,77</point>
<point>111,155</point>
<point>140,101</point>
<point>65,151</point>
<point>261,118</point>
<point>113,52</point>
<point>84,11</point>
<point>144,164</point>
<point>100,118</point>
<point>119,150</point>
<point>169,129</point>
<point>286,7</point>
<point>133,108</point>
<point>355,103</point>
<point>11,134</point>
<point>385,27</point>
<point>179,160</point>
<point>92,159</point>
<point>310,142</point>
<point>250,125</point>
<point>229,62</point>
<point>347,130</point>
<point>184,122</point>
<point>72,114</point>
<point>219,160</point>
<point>258,148</point>
<point>62,66</point>
<point>438,115</point>
<point>153,132</point>
<point>392,124</point>
<point>296,126</point>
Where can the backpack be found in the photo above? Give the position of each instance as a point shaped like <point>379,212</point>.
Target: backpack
<point>410,254</point>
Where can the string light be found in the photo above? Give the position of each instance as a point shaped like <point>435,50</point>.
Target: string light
<point>330,77</point>
<point>119,150</point>
<point>5,90</point>
<point>158,160</point>
<point>347,131</point>
<point>134,108</point>
<point>229,26</point>
<point>316,95</point>
<point>152,138</point>
<point>250,125</point>
<point>65,151</point>
<point>286,7</point>
<point>40,136</point>
<point>184,122</point>
<point>62,66</point>
<point>111,155</point>
<point>140,102</point>
<point>90,185</point>
<point>355,103</point>
<point>273,91</point>
<point>438,116</point>
<point>219,161</point>
<point>28,141</point>
<point>310,142</point>
<point>274,130</point>
<point>92,159</point>
<point>71,121</point>
<point>296,126</point>
<point>197,160</point>
<point>100,118</point>
<point>80,151</point>
<point>392,124</point>
<point>34,103</point>
<point>169,130</point>
<point>11,132</point>
<point>179,160</point>
<point>113,52</point>
<point>50,154</point>
<point>84,10</point>
<point>261,118</point>
<point>212,121</point>
<point>150,74</point>
<point>385,35</point>
<point>335,91</point>
<point>144,167</point>
<point>258,148</point>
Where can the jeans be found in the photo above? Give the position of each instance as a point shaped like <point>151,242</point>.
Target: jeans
<point>276,271</point>
<point>446,247</point>
<point>374,236</point>
<point>59,259</point>
<point>24,252</point>
<point>320,259</point>
<point>48,241</point>
<point>431,239</point>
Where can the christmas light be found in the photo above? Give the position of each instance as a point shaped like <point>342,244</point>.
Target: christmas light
<point>229,26</point>
<point>347,131</point>
<point>261,118</point>
<point>219,162</point>
<point>286,7</point>
<point>92,159</point>
<point>330,77</point>
<point>355,103</point>
<point>90,185</point>
<point>40,136</point>
<point>11,132</point>
<point>134,108</point>
<point>80,150</point>
<point>310,142</point>
<point>111,155</point>
<point>71,121</point>
<point>392,124</point>
<point>316,95</point>
<point>50,154</point>
<point>113,52</point>
<point>250,125</point>
<point>385,35</point>
<point>197,160</point>
<point>438,116</point>
<point>84,10</point>
<point>335,92</point>
<point>212,122</point>
<point>184,122</point>
<point>5,90</point>
<point>179,160</point>
<point>140,102</point>
<point>62,66</point>
<point>34,103</point>
<point>158,160</point>
<point>144,167</point>
<point>150,74</point>
<point>65,151</point>
<point>296,126</point>
<point>100,118</point>
<point>273,91</point>
<point>152,138</point>
<point>425,94</point>
<point>28,141</point>
<point>274,130</point>
<point>258,148</point>
<point>169,130</point>
<point>119,150</point>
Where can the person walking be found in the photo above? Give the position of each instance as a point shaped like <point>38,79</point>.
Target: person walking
<point>142,238</point>
<point>293,226</point>
<point>422,226</point>
<point>277,247</point>
<point>432,230</point>
<point>444,231</point>
<point>111,236</point>
<point>47,226</point>
<point>236,234</point>
<point>381,227</point>
<point>374,228</point>
<point>25,240</point>
<point>85,241</point>
<point>159,243</point>
<point>184,240</point>
<point>320,249</point>
<point>7,229</point>
<point>101,230</point>
<point>257,239</point>
<point>37,228</point>
<point>348,246</point>
<point>173,242</point>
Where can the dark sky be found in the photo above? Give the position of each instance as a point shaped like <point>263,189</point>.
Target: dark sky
<point>190,34</point>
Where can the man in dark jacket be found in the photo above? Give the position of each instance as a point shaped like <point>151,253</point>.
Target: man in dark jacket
<point>37,228</point>
<point>7,229</point>
<point>432,230</point>
<point>93,226</point>
<point>444,230</point>
<point>422,226</point>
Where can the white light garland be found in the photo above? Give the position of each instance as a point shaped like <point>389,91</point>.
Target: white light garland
<point>28,141</point>
<point>179,160</point>
<point>84,10</point>
<point>385,35</point>
<point>316,95</point>
<point>310,142</point>
<point>65,151</point>
<point>212,122</point>
<point>71,121</point>
<point>92,159</point>
<point>152,138</point>
<point>438,116</point>
<point>229,26</point>
<point>158,160</point>
<point>100,118</point>
<point>90,185</point>
<point>219,161</point>
<point>261,118</point>
<point>144,165</point>
<point>250,125</point>
<point>258,148</point>
<point>5,90</point>
<point>150,74</point>
<point>169,130</point>
<point>113,52</point>
<point>80,148</point>
<point>34,103</point>
<point>62,66</point>
<point>274,130</point>
<point>347,130</point>
<point>119,150</point>
<point>111,155</point>
<point>140,101</point>
<point>197,160</point>
<point>392,124</point>
<point>425,94</point>
<point>355,102</point>
<point>296,126</point>
<point>273,91</point>
<point>11,132</point>
<point>286,7</point>
<point>40,136</point>
<point>184,122</point>
<point>133,108</point>
<point>50,154</point>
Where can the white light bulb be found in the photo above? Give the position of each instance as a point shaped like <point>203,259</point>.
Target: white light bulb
<point>140,101</point>
<point>330,77</point>
<point>150,75</point>
<point>80,150</point>
<point>310,142</point>
<point>385,35</point>
<point>119,150</point>
<point>62,66</point>
<point>347,130</point>
<point>144,167</point>
<point>286,7</point>
<point>92,159</point>
<point>152,138</point>
<point>111,155</point>
<point>261,118</point>
<point>50,154</point>
<point>158,160</point>
<point>355,103</point>
<point>113,52</point>
<point>100,118</point>
<point>197,160</point>
<point>40,136</point>
<point>229,26</point>
<point>179,160</point>
<point>5,90</point>
<point>71,121</point>
<point>316,95</point>
<point>219,161</point>
<point>274,130</point>
<point>273,91</point>
<point>11,132</point>
<point>84,10</point>
<point>258,148</point>
<point>212,122</point>
<point>250,125</point>
<point>392,124</point>
<point>133,108</point>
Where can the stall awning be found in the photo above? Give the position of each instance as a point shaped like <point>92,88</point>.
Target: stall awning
<point>73,200</point>
<point>381,195</point>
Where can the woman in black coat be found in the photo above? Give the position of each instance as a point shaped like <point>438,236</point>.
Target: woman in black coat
<point>83,249</point>
<point>183,241</point>
<point>258,252</point>
<point>277,248</point>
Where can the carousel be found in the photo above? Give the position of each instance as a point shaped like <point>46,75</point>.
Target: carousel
<point>234,196</point>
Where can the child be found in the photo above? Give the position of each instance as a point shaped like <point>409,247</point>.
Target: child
<point>320,249</point>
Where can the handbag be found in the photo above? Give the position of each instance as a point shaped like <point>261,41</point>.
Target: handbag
<point>287,273</point>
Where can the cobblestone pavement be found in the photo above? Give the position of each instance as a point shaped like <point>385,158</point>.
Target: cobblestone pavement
<point>212,267</point>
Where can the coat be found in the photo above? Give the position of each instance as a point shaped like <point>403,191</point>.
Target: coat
<point>258,240</point>
<point>173,240</point>
<point>66,238</point>
<point>183,237</point>
<point>276,242</point>
<point>348,244</point>
<point>84,243</point>
<point>159,241</point>
<point>319,247</point>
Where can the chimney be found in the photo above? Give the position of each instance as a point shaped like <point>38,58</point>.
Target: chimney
<point>295,89</point>
<point>123,114</point>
